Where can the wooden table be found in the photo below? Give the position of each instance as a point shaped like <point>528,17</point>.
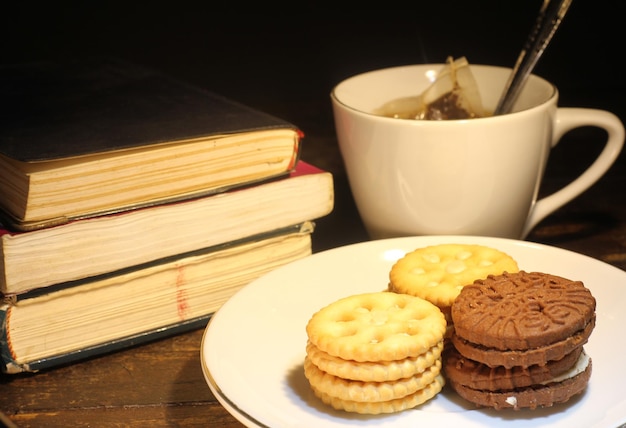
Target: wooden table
<point>161,384</point>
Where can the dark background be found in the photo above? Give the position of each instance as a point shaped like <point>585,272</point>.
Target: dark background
<point>265,53</point>
<point>285,57</point>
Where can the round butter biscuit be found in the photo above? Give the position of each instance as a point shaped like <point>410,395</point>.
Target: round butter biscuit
<point>384,407</point>
<point>437,273</point>
<point>371,371</point>
<point>378,326</point>
<point>355,390</point>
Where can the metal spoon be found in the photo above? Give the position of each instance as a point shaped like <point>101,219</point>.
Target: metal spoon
<point>550,16</point>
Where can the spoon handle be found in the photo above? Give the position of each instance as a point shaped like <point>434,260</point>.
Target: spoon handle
<point>550,16</point>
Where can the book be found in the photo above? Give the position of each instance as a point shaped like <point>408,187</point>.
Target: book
<point>100,245</point>
<point>138,305</point>
<point>82,138</point>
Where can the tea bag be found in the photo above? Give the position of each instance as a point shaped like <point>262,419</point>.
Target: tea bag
<point>453,95</point>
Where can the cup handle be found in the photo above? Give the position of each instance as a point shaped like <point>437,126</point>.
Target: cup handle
<point>566,120</point>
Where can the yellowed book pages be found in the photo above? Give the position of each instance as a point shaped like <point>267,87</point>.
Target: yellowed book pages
<point>101,245</point>
<point>143,300</point>
<point>59,190</point>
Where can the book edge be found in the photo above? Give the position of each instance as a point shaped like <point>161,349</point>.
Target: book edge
<point>16,224</point>
<point>322,211</point>
<point>10,366</point>
<point>307,226</point>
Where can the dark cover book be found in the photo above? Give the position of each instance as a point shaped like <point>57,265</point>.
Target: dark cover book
<point>111,105</point>
<point>85,138</point>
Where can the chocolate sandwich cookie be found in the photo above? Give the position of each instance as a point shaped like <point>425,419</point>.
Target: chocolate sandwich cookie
<point>516,314</point>
<point>480,376</point>
<point>523,357</point>
<point>531,397</point>
<point>518,340</point>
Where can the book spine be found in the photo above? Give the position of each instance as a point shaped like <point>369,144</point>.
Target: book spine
<point>8,364</point>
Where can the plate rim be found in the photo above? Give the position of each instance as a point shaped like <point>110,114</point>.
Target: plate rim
<point>249,420</point>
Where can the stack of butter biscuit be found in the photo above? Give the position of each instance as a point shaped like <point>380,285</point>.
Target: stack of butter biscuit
<point>518,340</point>
<point>375,353</point>
<point>437,273</point>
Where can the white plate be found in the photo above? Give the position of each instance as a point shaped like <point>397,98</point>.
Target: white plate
<point>254,346</point>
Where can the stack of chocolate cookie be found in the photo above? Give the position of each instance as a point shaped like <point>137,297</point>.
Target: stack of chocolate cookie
<point>518,340</point>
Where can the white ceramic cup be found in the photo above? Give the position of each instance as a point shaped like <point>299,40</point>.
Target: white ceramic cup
<point>465,177</point>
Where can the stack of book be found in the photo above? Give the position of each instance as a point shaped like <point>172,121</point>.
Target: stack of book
<point>133,206</point>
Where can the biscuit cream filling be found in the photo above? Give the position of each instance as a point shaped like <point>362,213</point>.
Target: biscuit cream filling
<point>512,401</point>
<point>578,368</point>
